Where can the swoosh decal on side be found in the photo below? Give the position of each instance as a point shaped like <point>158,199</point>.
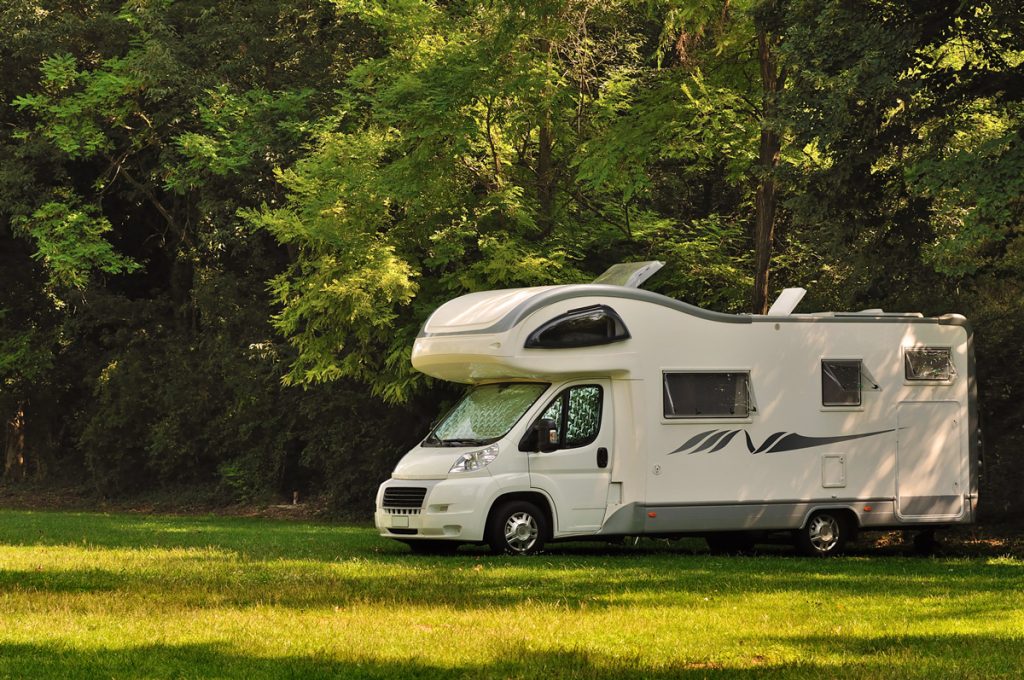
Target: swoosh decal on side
<point>692,441</point>
<point>778,442</point>
<point>768,442</point>
<point>725,441</point>
<point>710,441</point>
<point>795,442</point>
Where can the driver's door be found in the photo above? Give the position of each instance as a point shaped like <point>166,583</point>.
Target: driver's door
<point>576,475</point>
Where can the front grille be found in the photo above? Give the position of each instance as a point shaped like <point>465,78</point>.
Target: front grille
<point>404,497</point>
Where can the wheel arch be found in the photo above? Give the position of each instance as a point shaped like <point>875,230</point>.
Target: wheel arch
<point>846,511</point>
<point>536,497</point>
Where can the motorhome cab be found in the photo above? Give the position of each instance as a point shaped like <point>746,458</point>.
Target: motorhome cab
<point>602,410</point>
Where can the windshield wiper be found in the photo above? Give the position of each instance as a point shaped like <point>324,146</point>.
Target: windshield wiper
<point>463,442</point>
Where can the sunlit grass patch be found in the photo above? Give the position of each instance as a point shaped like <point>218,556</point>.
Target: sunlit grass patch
<point>138,596</point>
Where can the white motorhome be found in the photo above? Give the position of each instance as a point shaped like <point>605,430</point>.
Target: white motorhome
<point>604,410</point>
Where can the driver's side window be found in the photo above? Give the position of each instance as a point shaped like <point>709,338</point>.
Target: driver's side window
<point>577,415</point>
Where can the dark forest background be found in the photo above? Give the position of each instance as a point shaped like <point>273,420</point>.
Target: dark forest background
<point>223,222</point>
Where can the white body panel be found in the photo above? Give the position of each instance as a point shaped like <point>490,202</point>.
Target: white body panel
<point>904,456</point>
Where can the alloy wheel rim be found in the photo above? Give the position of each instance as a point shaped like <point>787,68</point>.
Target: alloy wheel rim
<point>823,533</point>
<point>521,532</point>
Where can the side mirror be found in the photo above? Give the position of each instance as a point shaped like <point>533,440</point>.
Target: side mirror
<point>546,433</point>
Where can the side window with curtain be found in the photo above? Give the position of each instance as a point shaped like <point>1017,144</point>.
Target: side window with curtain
<point>706,395</point>
<point>577,415</point>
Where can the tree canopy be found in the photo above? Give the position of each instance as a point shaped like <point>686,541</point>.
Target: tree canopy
<point>222,224</point>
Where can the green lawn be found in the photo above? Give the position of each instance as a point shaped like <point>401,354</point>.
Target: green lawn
<point>98,595</point>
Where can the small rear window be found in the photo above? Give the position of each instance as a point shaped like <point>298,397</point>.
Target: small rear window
<point>584,327</point>
<point>929,363</point>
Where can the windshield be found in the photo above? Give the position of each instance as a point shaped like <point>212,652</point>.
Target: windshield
<point>486,414</point>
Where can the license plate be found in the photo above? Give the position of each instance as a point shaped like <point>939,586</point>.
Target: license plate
<point>399,521</point>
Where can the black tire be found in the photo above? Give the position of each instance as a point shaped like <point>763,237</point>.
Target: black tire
<point>926,544</point>
<point>730,543</point>
<point>517,528</point>
<point>432,547</point>
<point>825,534</point>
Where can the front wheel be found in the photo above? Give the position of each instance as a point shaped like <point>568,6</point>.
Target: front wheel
<point>517,528</point>
<point>824,535</point>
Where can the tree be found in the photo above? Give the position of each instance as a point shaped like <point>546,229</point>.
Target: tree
<point>134,132</point>
<point>910,117</point>
<point>495,145</point>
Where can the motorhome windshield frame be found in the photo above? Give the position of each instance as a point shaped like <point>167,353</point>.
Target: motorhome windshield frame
<point>463,410</point>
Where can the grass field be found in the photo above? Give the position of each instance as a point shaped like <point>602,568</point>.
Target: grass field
<point>128,596</point>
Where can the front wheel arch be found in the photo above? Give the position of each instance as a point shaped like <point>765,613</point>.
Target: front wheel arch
<point>540,500</point>
<point>517,505</point>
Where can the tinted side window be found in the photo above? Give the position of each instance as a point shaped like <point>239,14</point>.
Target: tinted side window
<point>840,382</point>
<point>584,327</point>
<point>706,395</point>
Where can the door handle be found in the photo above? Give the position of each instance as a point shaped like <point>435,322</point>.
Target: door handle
<point>602,457</point>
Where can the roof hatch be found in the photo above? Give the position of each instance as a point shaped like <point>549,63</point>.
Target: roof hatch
<point>787,301</point>
<point>629,274</point>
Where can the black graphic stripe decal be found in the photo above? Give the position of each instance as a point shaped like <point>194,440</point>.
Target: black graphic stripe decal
<point>795,442</point>
<point>713,441</point>
<point>710,441</point>
<point>725,441</point>
<point>694,440</point>
<point>768,442</point>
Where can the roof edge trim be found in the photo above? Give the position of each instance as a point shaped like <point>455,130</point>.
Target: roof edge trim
<point>569,292</point>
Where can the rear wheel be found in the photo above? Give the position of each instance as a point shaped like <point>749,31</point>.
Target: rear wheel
<point>925,543</point>
<point>824,535</point>
<point>517,528</point>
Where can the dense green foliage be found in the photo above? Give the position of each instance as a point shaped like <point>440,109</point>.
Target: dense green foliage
<point>124,596</point>
<point>221,224</point>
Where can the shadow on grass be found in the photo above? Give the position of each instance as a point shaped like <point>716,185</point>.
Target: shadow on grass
<point>938,590</point>
<point>211,660</point>
<point>247,537</point>
<point>261,538</point>
<point>939,656</point>
<point>237,562</point>
<point>63,581</point>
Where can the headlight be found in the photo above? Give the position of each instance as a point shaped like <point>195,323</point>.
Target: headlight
<point>474,460</point>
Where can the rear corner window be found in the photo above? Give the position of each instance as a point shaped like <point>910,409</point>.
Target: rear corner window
<point>929,363</point>
<point>840,382</point>
<point>584,327</point>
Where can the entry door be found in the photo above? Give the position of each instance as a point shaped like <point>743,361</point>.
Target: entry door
<point>929,460</point>
<point>576,475</point>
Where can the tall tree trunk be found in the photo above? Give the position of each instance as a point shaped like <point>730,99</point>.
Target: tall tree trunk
<point>768,159</point>
<point>545,157</point>
<point>14,450</point>
<point>546,178</point>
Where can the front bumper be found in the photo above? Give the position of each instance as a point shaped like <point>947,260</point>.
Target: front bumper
<point>452,509</point>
